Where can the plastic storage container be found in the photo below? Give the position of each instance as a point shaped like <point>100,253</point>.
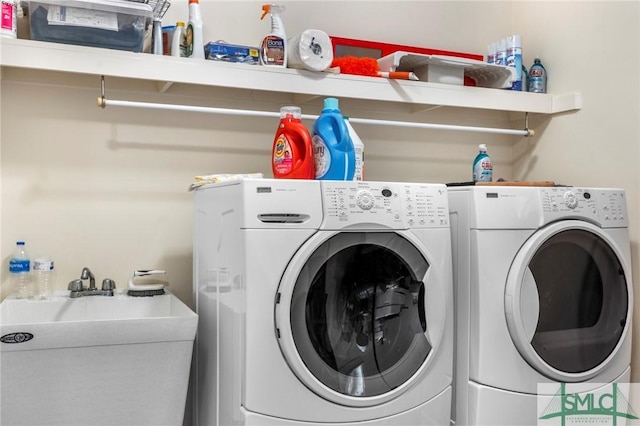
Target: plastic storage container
<point>112,24</point>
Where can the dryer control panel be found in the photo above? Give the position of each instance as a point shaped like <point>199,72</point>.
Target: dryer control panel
<point>606,206</point>
<point>383,205</point>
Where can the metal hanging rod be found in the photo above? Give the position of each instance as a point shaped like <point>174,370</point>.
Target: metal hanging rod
<point>103,102</point>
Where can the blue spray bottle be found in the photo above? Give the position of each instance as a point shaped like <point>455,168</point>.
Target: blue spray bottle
<point>333,150</point>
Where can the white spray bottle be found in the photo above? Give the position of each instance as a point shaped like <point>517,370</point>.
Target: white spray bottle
<point>273,49</point>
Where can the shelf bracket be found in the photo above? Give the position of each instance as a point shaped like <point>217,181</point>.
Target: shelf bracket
<point>103,102</point>
<point>102,99</point>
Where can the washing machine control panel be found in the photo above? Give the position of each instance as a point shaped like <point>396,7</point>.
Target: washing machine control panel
<point>384,205</point>
<point>605,206</point>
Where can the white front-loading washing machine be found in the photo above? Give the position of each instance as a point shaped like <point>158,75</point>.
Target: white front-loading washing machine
<point>543,295</point>
<point>323,302</point>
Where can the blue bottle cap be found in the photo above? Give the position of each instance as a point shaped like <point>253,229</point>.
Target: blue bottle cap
<point>331,103</point>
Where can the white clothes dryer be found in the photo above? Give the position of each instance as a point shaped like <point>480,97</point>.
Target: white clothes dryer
<point>543,294</point>
<point>323,302</point>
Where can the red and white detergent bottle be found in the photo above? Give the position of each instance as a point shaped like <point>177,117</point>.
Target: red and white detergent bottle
<point>292,154</point>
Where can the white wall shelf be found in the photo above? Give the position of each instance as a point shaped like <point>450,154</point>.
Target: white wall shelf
<point>166,70</point>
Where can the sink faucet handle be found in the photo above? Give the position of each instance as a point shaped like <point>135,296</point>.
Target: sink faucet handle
<point>108,284</point>
<point>75,285</point>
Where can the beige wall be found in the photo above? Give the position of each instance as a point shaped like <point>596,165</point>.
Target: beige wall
<point>594,48</point>
<point>108,188</point>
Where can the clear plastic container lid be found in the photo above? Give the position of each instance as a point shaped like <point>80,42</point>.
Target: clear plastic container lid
<point>290,112</point>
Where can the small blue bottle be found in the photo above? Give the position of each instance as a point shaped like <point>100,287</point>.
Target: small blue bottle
<point>333,150</point>
<point>482,166</point>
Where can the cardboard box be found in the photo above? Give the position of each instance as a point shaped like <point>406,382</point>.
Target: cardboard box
<point>221,51</point>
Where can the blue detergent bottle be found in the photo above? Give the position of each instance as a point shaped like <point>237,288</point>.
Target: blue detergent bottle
<point>333,150</point>
<point>482,165</point>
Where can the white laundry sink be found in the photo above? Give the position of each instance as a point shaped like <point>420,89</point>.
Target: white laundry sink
<point>117,360</point>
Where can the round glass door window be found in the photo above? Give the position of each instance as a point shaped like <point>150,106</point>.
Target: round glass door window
<point>583,300</point>
<point>358,313</point>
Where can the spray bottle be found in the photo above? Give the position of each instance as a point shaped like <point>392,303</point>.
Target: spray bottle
<point>273,49</point>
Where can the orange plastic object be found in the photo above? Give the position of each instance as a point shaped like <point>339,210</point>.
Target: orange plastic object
<point>357,66</point>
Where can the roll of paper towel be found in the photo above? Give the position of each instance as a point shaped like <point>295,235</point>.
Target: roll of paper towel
<point>310,50</point>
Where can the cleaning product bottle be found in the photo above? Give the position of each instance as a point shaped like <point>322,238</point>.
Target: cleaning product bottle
<point>9,18</point>
<point>292,154</point>
<point>193,39</point>
<point>514,59</point>
<point>501,52</point>
<point>358,149</point>
<point>177,42</point>
<point>273,49</point>
<point>482,166</point>
<point>537,77</point>
<point>332,146</point>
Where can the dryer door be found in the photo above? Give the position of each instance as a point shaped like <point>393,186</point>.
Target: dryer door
<point>351,316</point>
<point>567,301</point>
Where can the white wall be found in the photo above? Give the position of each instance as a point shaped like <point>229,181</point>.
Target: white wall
<point>108,188</point>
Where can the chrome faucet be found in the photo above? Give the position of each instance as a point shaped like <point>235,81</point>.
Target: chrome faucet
<point>87,274</point>
<point>77,289</point>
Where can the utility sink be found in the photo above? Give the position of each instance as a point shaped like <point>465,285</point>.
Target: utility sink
<point>99,360</point>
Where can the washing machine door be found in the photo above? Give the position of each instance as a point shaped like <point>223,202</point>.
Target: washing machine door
<point>567,301</point>
<point>352,317</point>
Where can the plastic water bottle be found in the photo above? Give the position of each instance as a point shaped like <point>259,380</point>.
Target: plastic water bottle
<point>482,166</point>
<point>537,77</point>
<point>19,272</point>
<point>43,277</point>
<point>358,148</point>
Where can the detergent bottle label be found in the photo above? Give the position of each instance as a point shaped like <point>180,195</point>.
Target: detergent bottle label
<point>321,156</point>
<point>282,161</point>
